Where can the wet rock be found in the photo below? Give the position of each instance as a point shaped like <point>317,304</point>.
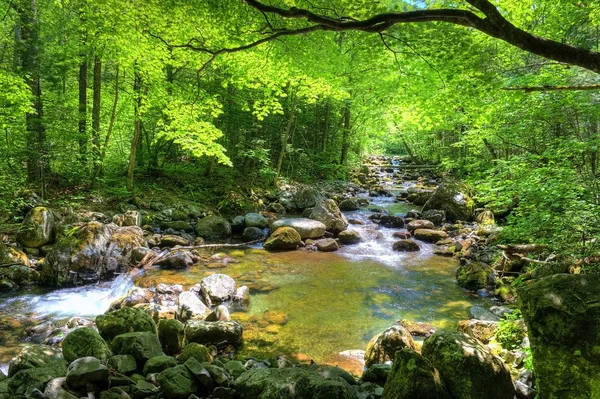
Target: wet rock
<point>114,393</point>
<point>306,197</point>
<point>56,389</point>
<point>242,295</point>
<point>34,356</point>
<point>419,224</point>
<point>326,245</point>
<point>235,368</point>
<point>453,197</point>
<point>356,221</point>
<point>191,307</point>
<point>132,218</point>
<point>158,364</point>
<point>141,345</point>
<point>406,246</point>
<point>253,234</point>
<point>402,235</point>
<point>38,228</point>
<point>123,364</point>
<point>293,383</point>
<point>393,221</point>
<point>475,275</point>
<point>8,286</point>
<point>212,227</point>
<point>220,313</point>
<point>382,347</point>
<point>276,207</point>
<point>418,328</point>
<point>178,225</point>
<point>478,329</point>
<point>350,237</point>
<point>201,374</point>
<point>171,336</point>
<point>485,217</point>
<point>92,249</point>
<point>171,240</point>
<point>349,205</point>
<point>238,224</point>
<point>328,213</point>
<point>123,321</point>
<point>467,367</point>
<point>197,351</point>
<point>85,342</point>
<point>214,333</point>
<point>86,370</point>
<point>217,288</point>
<point>413,377</point>
<point>19,274</point>
<point>177,383</point>
<point>27,381</point>
<point>143,389</point>
<point>436,216</point>
<point>479,313</point>
<point>428,235</point>
<point>413,214</point>
<point>133,297</point>
<point>377,374</point>
<point>307,228</point>
<point>562,313</point>
<point>10,255</point>
<point>176,261</point>
<point>218,375</point>
<point>256,220</point>
<point>284,238</point>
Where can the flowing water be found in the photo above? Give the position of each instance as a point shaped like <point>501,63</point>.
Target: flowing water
<point>305,304</point>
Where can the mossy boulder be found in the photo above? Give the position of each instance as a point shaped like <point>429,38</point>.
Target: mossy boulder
<point>24,382</point>
<point>475,275</point>
<point>406,246</point>
<point>256,220</point>
<point>123,321</point>
<point>171,336</point>
<point>482,330</point>
<point>413,377</point>
<point>20,274</point>
<point>197,351</point>
<point>141,345</point>
<point>10,255</point>
<point>34,356</point>
<point>419,224</point>
<point>350,237</point>
<point>85,342</point>
<point>383,346</point>
<point>177,383</point>
<point>213,333</point>
<point>293,383</point>
<point>453,197</point>
<point>123,364</point>
<point>349,204</point>
<point>284,238</point>
<point>212,227</point>
<point>429,235</point>
<point>328,213</point>
<point>86,370</point>
<point>562,315</point>
<point>158,364</point>
<point>468,368</point>
<point>38,228</point>
<point>307,228</point>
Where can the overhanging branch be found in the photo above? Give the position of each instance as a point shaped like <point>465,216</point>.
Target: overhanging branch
<point>529,89</point>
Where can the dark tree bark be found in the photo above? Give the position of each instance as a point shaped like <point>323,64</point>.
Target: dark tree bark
<point>488,20</point>
<point>28,53</point>
<point>347,129</point>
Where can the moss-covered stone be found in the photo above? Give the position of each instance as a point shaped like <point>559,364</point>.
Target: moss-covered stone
<point>34,356</point>
<point>10,255</point>
<point>177,383</point>
<point>158,364</point>
<point>213,333</point>
<point>474,275</point>
<point>413,377</point>
<point>141,345</point>
<point>328,213</point>
<point>213,227</point>
<point>562,314</point>
<point>429,235</point>
<point>453,197</point>
<point>25,381</point>
<point>171,336</point>
<point>20,274</point>
<point>199,352</point>
<point>468,368</point>
<point>123,321</point>
<point>123,364</point>
<point>383,346</point>
<point>284,238</point>
<point>38,228</point>
<point>85,342</point>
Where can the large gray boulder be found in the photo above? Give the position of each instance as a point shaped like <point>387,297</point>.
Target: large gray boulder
<point>255,220</point>
<point>212,227</point>
<point>562,313</point>
<point>328,213</point>
<point>191,307</point>
<point>468,368</point>
<point>92,251</point>
<point>453,197</point>
<point>38,228</point>
<point>217,288</point>
<point>307,228</point>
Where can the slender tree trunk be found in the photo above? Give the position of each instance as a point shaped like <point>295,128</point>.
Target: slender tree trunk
<point>82,115</point>
<point>326,126</point>
<point>137,131</point>
<point>285,135</point>
<point>28,50</point>
<point>111,124</point>
<point>96,103</point>
<point>346,135</point>
<point>490,148</point>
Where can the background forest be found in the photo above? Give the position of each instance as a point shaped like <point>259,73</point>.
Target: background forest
<point>111,98</point>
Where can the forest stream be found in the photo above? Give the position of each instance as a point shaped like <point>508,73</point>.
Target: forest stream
<point>310,305</point>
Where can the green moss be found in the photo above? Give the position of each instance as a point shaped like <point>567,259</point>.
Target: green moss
<point>85,342</point>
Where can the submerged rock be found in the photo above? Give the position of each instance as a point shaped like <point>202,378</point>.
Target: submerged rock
<point>406,246</point>
<point>562,314</point>
<point>467,367</point>
<point>349,237</point>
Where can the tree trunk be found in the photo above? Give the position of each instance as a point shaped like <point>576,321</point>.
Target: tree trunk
<point>326,126</point>
<point>137,130</point>
<point>96,103</point>
<point>28,49</point>
<point>111,124</point>
<point>82,115</point>
<point>346,135</point>
<point>285,134</point>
